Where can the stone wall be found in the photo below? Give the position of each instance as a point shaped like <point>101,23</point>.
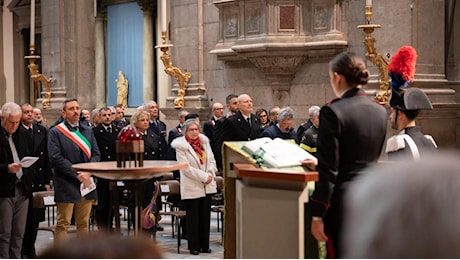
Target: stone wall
<point>404,22</point>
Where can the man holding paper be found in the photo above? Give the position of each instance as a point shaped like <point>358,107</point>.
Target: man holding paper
<point>15,183</point>
<point>69,143</point>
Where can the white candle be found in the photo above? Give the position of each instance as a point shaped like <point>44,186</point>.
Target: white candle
<point>163,16</point>
<point>368,2</point>
<point>32,22</point>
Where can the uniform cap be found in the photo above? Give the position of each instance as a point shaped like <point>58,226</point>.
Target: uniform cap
<point>410,99</point>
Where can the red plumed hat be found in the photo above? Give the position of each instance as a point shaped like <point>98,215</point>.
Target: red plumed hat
<point>403,62</point>
<point>401,70</point>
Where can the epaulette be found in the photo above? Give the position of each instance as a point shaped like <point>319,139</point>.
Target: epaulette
<point>333,100</point>
<point>429,137</point>
<point>395,143</point>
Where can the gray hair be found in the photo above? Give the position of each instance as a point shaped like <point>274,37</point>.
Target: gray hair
<point>181,113</point>
<point>11,109</point>
<point>188,123</point>
<point>146,104</point>
<point>405,210</point>
<point>314,110</point>
<point>285,113</point>
<point>95,111</point>
<point>272,110</point>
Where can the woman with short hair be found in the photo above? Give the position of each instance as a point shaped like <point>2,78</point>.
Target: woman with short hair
<point>197,184</point>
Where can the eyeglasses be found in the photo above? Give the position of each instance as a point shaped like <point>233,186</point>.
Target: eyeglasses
<point>219,108</point>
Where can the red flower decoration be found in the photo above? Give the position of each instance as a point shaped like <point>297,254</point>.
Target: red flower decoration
<point>129,134</point>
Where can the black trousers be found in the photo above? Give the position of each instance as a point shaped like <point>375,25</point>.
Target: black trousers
<point>198,222</point>
<point>34,217</point>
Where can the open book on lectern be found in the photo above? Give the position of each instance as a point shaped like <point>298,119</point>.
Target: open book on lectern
<point>277,153</point>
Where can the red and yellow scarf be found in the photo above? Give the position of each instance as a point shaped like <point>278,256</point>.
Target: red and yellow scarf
<point>196,145</point>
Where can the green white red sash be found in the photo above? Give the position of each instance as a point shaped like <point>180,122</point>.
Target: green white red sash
<point>77,138</point>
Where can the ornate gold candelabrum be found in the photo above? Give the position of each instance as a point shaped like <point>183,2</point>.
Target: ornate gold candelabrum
<point>376,58</point>
<point>38,77</point>
<point>182,78</point>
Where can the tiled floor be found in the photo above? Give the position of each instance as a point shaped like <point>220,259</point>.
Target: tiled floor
<point>163,238</point>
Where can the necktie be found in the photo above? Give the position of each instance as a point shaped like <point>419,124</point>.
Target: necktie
<point>109,129</point>
<point>31,134</point>
<point>75,128</point>
<point>249,121</point>
<point>15,155</point>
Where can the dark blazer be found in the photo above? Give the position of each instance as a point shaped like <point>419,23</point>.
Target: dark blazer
<point>106,142</point>
<point>63,153</point>
<point>160,130</point>
<point>216,141</point>
<point>107,147</point>
<point>7,179</point>
<point>424,146</point>
<point>208,127</point>
<point>351,136</point>
<point>273,132</point>
<point>174,133</point>
<point>151,152</point>
<point>236,128</point>
<point>39,148</point>
<point>152,143</point>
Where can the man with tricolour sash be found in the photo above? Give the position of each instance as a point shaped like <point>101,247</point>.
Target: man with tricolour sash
<point>69,143</point>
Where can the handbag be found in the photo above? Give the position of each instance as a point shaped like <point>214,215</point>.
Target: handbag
<point>149,218</point>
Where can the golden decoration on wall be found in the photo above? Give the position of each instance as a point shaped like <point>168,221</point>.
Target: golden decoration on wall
<point>376,58</point>
<point>182,78</point>
<point>38,77</point>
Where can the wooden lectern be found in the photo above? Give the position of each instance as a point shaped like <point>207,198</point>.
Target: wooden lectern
<point>264,208</point>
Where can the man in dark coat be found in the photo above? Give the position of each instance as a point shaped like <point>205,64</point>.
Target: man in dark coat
<point>243,125</point>
<point>308,140</point>
<point>106,136</point>
<point>406,104</point>
<point>209,125</point>
<point>410,143</point>
<point>69,143</point>
<point>216,141</point>
<point>15,182</point>
<point>37,146</point>
<point>307,124</point>
<point>283,127</point>
<point>173,134</point>
<point>158,127</point>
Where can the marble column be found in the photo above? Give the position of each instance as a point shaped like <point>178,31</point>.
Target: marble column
<point>148,60</point>
<point>100,62</point>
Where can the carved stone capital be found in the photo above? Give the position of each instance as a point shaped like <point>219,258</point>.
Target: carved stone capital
<point>280,70</point>
<point>147,5</point>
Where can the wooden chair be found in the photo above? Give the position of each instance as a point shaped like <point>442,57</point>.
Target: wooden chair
<point>38,202</point>
<point>176,214</point>
<point>217,205</point>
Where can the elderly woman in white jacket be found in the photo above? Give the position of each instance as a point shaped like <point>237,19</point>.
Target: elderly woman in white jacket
<point>197,184</point>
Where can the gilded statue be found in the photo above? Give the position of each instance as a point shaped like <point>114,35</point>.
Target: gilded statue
<point>122,87</point>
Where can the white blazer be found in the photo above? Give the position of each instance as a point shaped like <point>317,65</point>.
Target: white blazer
<point>192,178</point>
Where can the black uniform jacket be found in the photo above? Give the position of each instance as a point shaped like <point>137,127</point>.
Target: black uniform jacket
<point>351,136</point>
<point>38,148</point>
<point>424,145</point>
<point>236,128</point>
